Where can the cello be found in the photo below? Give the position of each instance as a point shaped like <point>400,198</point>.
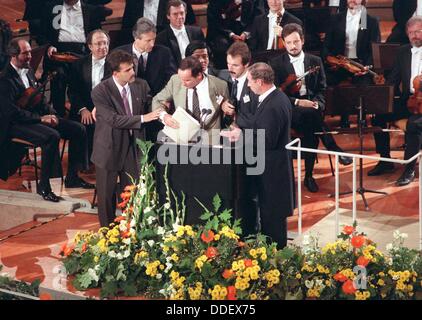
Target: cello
<point>414,104</point>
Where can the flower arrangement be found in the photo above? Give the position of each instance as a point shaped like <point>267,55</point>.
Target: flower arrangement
<point>148,251</point>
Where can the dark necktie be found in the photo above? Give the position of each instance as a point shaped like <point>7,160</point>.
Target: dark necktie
<point>233,94</point>
<point>141,69</point>
<point>196,111</point>
<point>126,102</point>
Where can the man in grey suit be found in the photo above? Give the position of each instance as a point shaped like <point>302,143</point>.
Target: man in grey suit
<point>121,103</point>
<point>194,91</point>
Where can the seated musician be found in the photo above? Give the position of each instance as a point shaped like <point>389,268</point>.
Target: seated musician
<point>39,124</point>
<point>228,21</point>
<point>351,34</point>
<point>194,91</point>
<point>308,102</point>
<point>265,32</point>
<point>86,73</point>
<point>406,67</point>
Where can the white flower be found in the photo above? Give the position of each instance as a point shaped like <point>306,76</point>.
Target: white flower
<point>150,242</point>
<point>161,231</point>
<point>309,284</point>
<point>167,206</point>
<point>93,274</point>
<point>147,209</point>
<point>126,253</point>
<point>159,276</point>
<point>122,226</point>
<point>176,226</point>
<point>306,240</point>
<point>169,265</point>
<point>97,267</point>
<point>132,222</point>
<point>126,241</point>
<point>119,256</point>
<point>151,219</point>
<point>389,247</point>
<point>112,254</point>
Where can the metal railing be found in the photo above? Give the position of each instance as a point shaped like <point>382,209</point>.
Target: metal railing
<point>299,150</point>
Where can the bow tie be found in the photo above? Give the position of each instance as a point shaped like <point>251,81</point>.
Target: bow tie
<point>416,50</point>
<point>178,33</point>
<point>293,60</point>
<point>99,62</point>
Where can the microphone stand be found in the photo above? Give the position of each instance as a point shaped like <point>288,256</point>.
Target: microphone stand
<point>202,118</point>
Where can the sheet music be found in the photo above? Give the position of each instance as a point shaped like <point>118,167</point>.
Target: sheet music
<point>188,127</point>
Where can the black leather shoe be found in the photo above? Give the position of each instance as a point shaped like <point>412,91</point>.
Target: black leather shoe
<point>381,168</point>
<point>78,183</point>
<point>311,184</point>
<point>407,177</point>
<point>49,196</point>
<point>345,161</point>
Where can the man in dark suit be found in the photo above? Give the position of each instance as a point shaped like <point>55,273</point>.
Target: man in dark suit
<point>39,125</point>
<point>228,21</point>
<point>403,10</point>
<point>406,67</point>
<point>273,114</point>
<point>265,32</point>
<point>308,102</point>
<point>176,36</point>
<point>65,26</point>
<point>85,75</point>
<point>122,104</point>
<point>154,10</point>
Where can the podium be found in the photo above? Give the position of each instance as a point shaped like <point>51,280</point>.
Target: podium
<point>190,174</point>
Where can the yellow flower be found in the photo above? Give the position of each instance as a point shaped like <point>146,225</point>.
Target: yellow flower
<point>96,259</point>
<point>381,282</point>
<point>298,276</point>
<point>253,296</point>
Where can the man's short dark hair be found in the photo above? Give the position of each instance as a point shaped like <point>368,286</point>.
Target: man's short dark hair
<point>262,71</point>
<point>195,45</point>
<point>175,3</point>
<point>91,35</point>
<point>13,49</point>
<point>240,49</point>
<point>289,28</point>
<point>191,63</point>
<point>117,57</point>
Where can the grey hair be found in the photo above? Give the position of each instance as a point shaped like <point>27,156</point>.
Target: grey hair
<point>413,20</point>
<point>143,25</point>
<point>262,71</point>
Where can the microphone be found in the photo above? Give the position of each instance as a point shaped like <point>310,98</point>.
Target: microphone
<point>204,114</point>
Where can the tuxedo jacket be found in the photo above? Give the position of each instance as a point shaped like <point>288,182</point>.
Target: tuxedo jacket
<point>401,73</point>
<point>112,137</point>
<point>81,84</point>
<point>315,82</point>
<point>134,10</point>
<point>168,39</point>
<point>160,66</point>
<point>335,39</point>
<point>258,38</point>
<point>246,106</point>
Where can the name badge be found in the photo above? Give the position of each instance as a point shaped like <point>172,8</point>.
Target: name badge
<point>246,99</point>
<point>220,99</point>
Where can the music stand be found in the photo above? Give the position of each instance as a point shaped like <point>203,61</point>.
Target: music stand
<point>360,100</point>
<point>384,55</point>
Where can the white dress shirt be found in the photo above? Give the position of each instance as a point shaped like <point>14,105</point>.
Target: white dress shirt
<point>299,67</point>
<point>72,24</point>
<point>272,22</point>
<point>240,83</point>
<point>182,39</point>
<point>97,73</point>
<point>151,10</point>
<point>416,65</point>
<point>23,74</point>
<point>418,11</point>
<point>265,94</point>
<point>334,3</point>
<point>203,96</point>
<point>138,54</point>
<point>352,29</point>
<point>129,96</point>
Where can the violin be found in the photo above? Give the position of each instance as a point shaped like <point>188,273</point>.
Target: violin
<point>232,11</point>
<point>278,41</point>
<point>353,67</point>
<point>32,97</point>
<point>291,85</point>
<point>64,57</point>
<point>414,104</point>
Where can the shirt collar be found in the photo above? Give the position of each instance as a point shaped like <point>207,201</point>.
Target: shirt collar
<point>300,57</point>
<point>101,62</point>
<point>20,71</point>
<point>120,87</point>
<point>266,94</point>
<point>274,15</point>
<point>357,13</point>
<point>416,50</point>
<point>241,80</point>
<point>177,31</point>
<point>137,52</point>
<point>203,83</point>
<point>76,6</point>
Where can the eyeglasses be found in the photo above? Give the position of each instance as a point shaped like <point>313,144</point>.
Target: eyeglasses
<point>416,32</point>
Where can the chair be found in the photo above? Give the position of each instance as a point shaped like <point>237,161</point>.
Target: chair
<point>28,145</point>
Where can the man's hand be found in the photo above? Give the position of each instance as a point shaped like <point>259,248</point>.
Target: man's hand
<point>153,115</point>
<point>50,120</point>
<point>362,73</point>
<point>228,108</point>
<point>307,103</point>
<point>94,114</point>
<point>86,117</point>
<point>242,37</point>
<point>169,121</point>
<point>51,50</point>
<point>235,37</point>
<point>233,135</point>
<point>278,30</point>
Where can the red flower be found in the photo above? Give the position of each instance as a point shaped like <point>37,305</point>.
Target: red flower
<point>125,234</point>
<point>211,252</point>
<point>207,236</point>
<point>84,247</point>
<point>231,293</point>
<point>358,241</point>
<point>45,296</point>
<point>119,218</point>
<point>340,277</point>
<point>63,248</point>
<point>122,204</point>
<point>348,287</point>
<point>348,230</point>
<point>248,263</point>
<point>362,261</point>
<point>68,251</point>
<point>240,244</point>
<point>228,273</point>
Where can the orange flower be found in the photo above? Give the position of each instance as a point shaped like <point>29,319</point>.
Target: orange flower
<point>362,261</point>
<point>122,204</point>
<point>248,263</point>
<point>348,287</point>
<point>240,244</point>
<point>130,188</point>
<point>119,218</point>
<point>340,277</point>
<point>207,236</point>
<point>68,251</point>
<point>84,247</point>
<point>63,248</point>
<point>358,241</point>
<point>211,252</point>
<point>45,296</point>
<point>348,230</point>
<point>125,234</point>
<point>228,273</point>
<point>231,293</point>
<point>125,195</point>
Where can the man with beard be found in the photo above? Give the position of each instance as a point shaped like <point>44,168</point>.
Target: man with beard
<point>122,103</point>
<point>406,67</point>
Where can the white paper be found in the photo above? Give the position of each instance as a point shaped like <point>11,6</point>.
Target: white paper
<point>188,127</point>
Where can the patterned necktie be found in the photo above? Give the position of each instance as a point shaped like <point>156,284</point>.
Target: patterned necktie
<point>126,102</point>
<point>195,105</point>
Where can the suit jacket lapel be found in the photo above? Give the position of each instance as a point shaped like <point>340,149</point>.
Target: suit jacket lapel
<point>264,32</point>
<point>307,65</point>
<point>87,70</point>
<point>137,108</point>
<point>116,97</point>
<point>85,16</point>
<point>173,43</point>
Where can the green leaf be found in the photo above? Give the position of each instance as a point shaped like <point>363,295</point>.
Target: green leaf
<point>129,289</point>
<point>214,223</point>
<point>84,280</point>
<point>216,202</point>
<point>225,215</point>
<point>206,216</point>
<point>109,289</point>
